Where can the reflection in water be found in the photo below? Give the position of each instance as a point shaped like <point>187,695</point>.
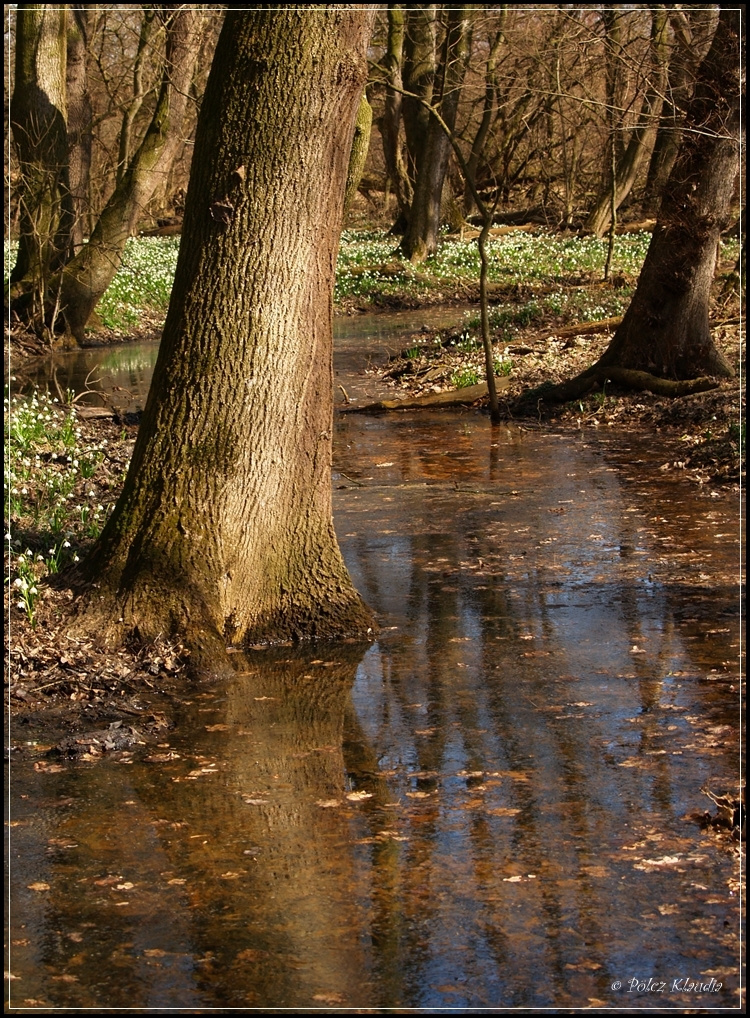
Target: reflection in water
<point>488,807</point>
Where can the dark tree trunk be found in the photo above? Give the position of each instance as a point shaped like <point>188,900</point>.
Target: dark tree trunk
<point>223,531</point>
<point>395,163</point>
<point>419,78</point>
<point>421,237</point>
<point>666,330</point>
<point>38,117</point>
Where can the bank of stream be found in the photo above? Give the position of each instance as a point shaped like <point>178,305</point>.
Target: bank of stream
<point>497,804</point>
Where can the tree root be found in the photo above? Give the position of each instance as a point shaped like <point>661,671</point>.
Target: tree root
<point>640,381</point>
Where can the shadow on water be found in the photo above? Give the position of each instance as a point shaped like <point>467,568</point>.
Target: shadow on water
<point>488,807</point>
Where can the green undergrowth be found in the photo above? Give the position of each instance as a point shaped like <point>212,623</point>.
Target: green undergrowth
<point>541,274</point>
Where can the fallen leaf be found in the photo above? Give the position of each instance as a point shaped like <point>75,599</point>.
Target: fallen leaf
<point>39,885</point>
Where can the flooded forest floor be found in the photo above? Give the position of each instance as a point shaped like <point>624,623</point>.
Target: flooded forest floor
<point>524,794</point>
<point>695,438</point>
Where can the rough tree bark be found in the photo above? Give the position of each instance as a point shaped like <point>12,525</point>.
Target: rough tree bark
<point>223,531</point>
<point>665,331</point>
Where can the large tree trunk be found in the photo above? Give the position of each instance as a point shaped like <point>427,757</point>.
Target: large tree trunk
<point>38,116</point>
<point>224,531</point>
<point>88,275</point>
<point>666,330</point>
<point>422,233</point>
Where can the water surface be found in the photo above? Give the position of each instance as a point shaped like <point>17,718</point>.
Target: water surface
<point>491,806</point>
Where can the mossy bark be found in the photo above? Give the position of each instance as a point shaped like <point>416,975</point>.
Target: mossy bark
<point>224,530</point>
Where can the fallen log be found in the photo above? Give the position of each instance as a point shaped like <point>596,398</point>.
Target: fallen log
<point>433,400</point>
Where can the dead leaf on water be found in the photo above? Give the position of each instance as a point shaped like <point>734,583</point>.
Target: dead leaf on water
<point>358,796</point>
<point>328,803</point>
<point>38,885</point>
<point>217,728</point>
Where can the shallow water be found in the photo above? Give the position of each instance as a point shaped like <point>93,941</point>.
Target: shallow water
<point>489,807</point>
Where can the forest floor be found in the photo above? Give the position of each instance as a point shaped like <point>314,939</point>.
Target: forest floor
<point>82,698</point>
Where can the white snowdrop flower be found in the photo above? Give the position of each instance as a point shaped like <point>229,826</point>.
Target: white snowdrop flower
<point>76,559</point>
<point>33,590</point>
<point>21,605</point>
<point>66,544</point>
<point>18,582</point>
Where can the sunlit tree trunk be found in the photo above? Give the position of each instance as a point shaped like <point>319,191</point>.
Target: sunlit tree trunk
<point>88,275</point>
<point>360,148</point>
<point>79,119</point>
<point>223,531</point>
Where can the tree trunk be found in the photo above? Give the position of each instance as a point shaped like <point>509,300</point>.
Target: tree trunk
<point>665,330</point>
<point>38,116</point>
<point>395,163</point>
<point>693,32</point>
<point>79,120</point>
<point>224,531</point>
<point>642,139</point>
<point>88,275</point>
<point>360,148</point>
<point>421,237</point>
<point>419,78</point>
